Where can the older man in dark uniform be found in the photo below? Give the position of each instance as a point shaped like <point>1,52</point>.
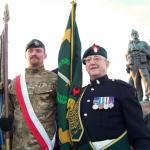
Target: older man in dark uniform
<point>108,115</point>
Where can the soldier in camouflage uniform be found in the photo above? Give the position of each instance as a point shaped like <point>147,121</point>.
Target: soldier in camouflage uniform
<point>137,57</point>
<point>41,86</point>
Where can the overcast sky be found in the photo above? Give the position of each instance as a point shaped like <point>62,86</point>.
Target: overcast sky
<point>107,23</point>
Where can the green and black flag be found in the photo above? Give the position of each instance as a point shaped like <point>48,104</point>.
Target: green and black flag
<point>69,77</point>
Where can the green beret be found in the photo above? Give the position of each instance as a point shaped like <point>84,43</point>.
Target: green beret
<point>94,50</point>
<point>35,43</point>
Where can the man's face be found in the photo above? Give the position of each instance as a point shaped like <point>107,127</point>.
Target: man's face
<point>135,35</point>
<point>35,57</point>
<point>96,66</point>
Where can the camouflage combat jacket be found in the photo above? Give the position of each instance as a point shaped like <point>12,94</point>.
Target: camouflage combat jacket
<point>41,85</point>
<point>138,54</point>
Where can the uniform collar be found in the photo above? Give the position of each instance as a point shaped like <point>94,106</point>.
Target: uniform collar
<point>100,80</point>
<point>35,70</point>
<point>136,41</point>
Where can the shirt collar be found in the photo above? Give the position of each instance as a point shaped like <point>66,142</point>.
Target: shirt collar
<point>35,70</point>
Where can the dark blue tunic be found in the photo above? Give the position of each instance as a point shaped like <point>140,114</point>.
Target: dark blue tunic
<point>126,114</point>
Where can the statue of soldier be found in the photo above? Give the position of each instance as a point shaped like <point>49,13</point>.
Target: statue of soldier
<point>139,82</point>
<point>140,89</point>
<point>138,55</point>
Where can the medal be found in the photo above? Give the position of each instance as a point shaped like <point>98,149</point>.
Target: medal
<point>95,106</point>
<point>111,102</point>
<point>95,103</point>
<point>101,103</point>
<point>106,103</point>
<point>111,105</point>
<point>101,106</point>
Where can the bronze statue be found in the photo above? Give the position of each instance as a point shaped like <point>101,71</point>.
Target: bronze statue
<point>138,58</point>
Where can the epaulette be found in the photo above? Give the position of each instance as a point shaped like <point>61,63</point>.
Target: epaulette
<point>50,72</point>
<point>121,82</point>
<point>144,42</point>
<point>126,86</point>
<point>84,87</point>
<point>55,70</point>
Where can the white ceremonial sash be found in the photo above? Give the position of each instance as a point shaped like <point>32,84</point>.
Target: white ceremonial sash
<point>30,117</point>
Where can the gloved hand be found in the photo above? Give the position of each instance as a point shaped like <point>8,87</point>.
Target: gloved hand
<point>6,123</point>
<point>1,87</point>
<point>127,68</point>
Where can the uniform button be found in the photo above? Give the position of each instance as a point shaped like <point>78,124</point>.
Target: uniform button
<point>85,114</point>
<point>97,81</point>
<point>88,100</point>
<point>92,89</point>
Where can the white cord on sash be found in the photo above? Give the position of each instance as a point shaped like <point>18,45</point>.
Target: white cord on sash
<point>100,144</point>
<point>33,116</point>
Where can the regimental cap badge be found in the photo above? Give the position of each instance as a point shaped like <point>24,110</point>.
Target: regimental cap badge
<point>95,48</point>
<point>35,43</point>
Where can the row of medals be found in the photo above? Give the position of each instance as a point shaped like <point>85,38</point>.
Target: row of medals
<point>103,102</point>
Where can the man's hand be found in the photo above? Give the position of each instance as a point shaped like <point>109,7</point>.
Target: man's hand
<point>6,123</point>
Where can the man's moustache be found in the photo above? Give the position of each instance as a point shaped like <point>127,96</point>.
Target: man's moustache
<point>34,57</point>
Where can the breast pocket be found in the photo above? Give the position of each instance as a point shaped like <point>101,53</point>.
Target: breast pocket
<point>44,96</point>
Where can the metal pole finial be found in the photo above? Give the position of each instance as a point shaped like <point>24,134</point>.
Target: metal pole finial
<point>6,14</point>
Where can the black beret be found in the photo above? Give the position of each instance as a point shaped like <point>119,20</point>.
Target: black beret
<point>94,50</point>
<point>35,43</point>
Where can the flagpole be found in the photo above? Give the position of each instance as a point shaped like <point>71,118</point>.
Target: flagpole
<point>5,70</point>
<point>72,40</point>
